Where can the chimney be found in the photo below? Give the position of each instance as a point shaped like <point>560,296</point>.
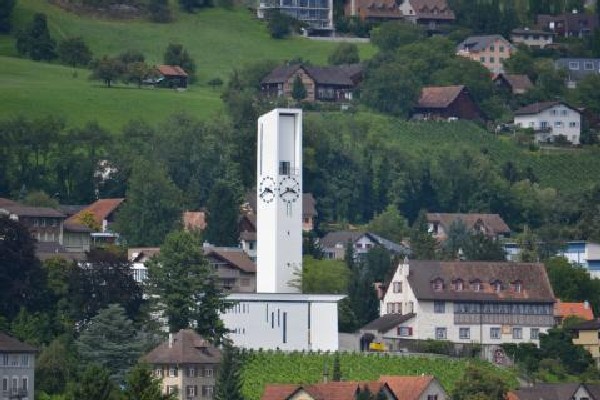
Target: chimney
<point>586,305</point>
<point>171,340</point>
<point>405,267</point>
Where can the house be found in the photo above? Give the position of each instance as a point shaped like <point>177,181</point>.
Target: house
<point>17,368</point>
<point>587,334</point>
<point>489,50</point>
<point>583,253</point>
<point>447,103</point>
<point>194,221</point>
<point>334,244</point>
<point>309,212</point>
<point>513,83</point>
<point>565,310</point>
<point>373,11</point>
<point>569,24</point>
<point>335,83</point>
<point>103,213</point>
<point>236,272</point>
<point>424,387</point>
<point>76,238</point>
<point>317,14</point>
<point>172,76</point>
<point>491,225</point>
<point>45,224</point>
<point>464,303</point>
<point>549,120</point>
<point>535,38</point>
<point>247,229</point>
<point>556,391</point>
<point>577,68</point>
<point>139,256</point>
<point>430,14</point>
<point>186,364</point>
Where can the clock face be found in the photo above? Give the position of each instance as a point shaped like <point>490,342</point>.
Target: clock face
<point>267,189</point>
<point>289,189</point>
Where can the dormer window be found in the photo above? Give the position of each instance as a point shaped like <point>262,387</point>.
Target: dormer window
<point>497,285</point>
<point>518,286</point>
<point>459,285</point>
<point>476,286</point>
<point>437,284</point>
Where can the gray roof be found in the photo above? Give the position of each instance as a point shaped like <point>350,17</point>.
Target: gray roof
<point>547,391</point>
<point>387,322</point>
<point>587,325</point>
<point>478,43</point>
<point>9,344</point>
<point>340,237</point>
<point>533,278</point>
<point>71,209</point>
<point>342,75</point>
<point>187,348</point>
<point>25,211</point>
<point>78,228</point>
<point>537,108</point>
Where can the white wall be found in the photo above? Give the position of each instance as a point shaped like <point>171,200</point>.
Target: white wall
<point>557,114</point>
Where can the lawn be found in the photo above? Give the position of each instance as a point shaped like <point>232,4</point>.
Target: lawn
<point>37,89</point>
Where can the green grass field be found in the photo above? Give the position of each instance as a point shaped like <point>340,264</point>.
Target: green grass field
<point>37,89</point>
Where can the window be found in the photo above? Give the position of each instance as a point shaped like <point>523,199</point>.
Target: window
<point>476,286</point>
<point>492,48</point>
<point>398,309</point>
<point>192,390</point>
<point>464,333</point>
<point>36,222</point>
<point>572,124</point>
<point>4,359</point>
<point>518,286</point>
<point>42,221</point>
<point>458,285</point>
<point>432,397</point>
<point>501,49</point>
<point>15,383</point>
<point>405,331</point>
<point>207,391</point>
<point>438,285</point>
<point>172,371</point>
<point>588,65</point>
<point>534,333</point>
<point>497,286</point>
<point>544,124</point>
<point>24,383</point>
<point>494,333</point>
<point>553,112</point>
<point>573,65</point>
<point>208,372</point>
<point>482,59</point>
<point>25,360</point>
<point>440,333</point>
<point>5,383</point>
<point>172,389</point>
<point>439,307</point>
<point>397,287</point>
<point>492,60</point>
<point>390,308</point>
<point>564,112</point>
<point>158,372</point>
<point>517,333</point>
<point>54,222</point>
<point>191,372</point>
<point>15,360</point>
<point>284,168</point>
<point>558,124</point>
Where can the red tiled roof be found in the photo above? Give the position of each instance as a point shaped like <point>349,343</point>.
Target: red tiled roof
<point>171,70</point>
<point>187,348</point>
<point>516,81</point>
<point>573,310</point>
<point>439,96</point>
<point>100,209</point>
<point>234,256</point>
<point>493,224</point>
<point>407,387</point>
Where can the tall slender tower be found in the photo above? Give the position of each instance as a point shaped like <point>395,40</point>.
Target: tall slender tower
<point>279,200</point>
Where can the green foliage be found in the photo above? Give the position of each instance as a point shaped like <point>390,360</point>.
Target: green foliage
<point>479,383</point>
<point>587,93</point>
<point>298,89</point>
<point>153,205</point>
<point>74,52</point>
<point>474,245</point>
<point>223,212</point>
<point>229,381</point>
<point>306,368</point>
<point>389,224</point>
<point>190,6</point>
<point>159,11</point>
<point>6,10</point>
<point>336,374</point>
<point>95,384</point>
<point>378,261</point>
<point>39,198</point>
<point>22,278</point>
<point>389,36</point>
<point>107,69</point>
<point>422,243</point>
<point>572,283</point>
<point>362,296</point>
<point>55,366</point>
<point>391,89</point>
<point>141,384</point>
<point>111,341</point>
<point>35,41</point>
<point>279,24</point>
<point>323,276</point>
<point>344,53</point>
<point>176,54</point>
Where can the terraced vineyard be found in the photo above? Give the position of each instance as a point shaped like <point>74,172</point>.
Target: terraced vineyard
<point>261,368</point>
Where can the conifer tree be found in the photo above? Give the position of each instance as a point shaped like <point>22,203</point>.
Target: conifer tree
<point>223,211</point>
<point>229,381</point>
<point>337,371</point>
<point>298,89</point>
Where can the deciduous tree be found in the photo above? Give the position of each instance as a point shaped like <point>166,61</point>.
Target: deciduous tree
<point>141,384</point>
<point>74,51</point>
<point>223,211</point>
<point>344,53</point>
<point>176,54</point>
<point>35,41</point>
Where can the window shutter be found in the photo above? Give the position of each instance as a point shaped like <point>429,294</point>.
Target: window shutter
<point>410,331</point>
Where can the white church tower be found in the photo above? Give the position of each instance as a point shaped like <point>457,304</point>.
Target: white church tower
<point>279,200</point>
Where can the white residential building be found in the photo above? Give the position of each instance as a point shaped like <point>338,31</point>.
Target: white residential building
<point>17,368</point>
<point>549,120</point>
<point>484,303</point>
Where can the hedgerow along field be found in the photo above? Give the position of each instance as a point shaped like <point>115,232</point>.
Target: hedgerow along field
<point>261,368</point>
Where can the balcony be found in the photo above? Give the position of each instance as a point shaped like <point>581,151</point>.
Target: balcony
<point>14,394</point>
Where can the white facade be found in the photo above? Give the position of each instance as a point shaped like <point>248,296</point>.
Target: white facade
<point>438,319</point>
<point>558,120</point>
<point>279,200</point>
<point>583,253</point>
<point>283,321</point>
